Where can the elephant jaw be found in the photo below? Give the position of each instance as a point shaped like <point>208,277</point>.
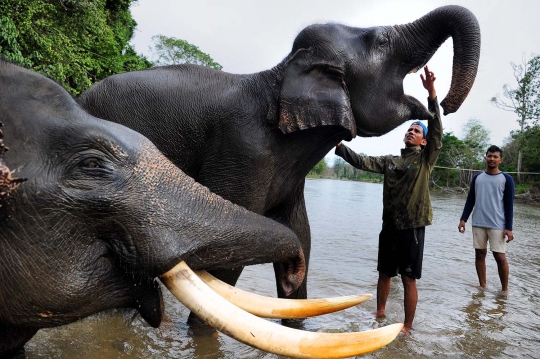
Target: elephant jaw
<point>247,328</point>
<point>404,108</point>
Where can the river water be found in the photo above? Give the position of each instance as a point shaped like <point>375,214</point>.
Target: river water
<point>454,319</point>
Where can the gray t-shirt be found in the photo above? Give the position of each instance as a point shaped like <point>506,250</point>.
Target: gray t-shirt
<point>492,197</point>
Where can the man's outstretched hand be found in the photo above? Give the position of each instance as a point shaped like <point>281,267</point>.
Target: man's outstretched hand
<point>429,82</point>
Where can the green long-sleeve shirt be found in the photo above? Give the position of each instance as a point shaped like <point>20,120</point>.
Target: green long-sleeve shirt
<point>406,202</point>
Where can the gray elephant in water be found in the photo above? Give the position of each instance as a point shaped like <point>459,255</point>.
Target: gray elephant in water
<point>91,213</point>
<point>253,138</point>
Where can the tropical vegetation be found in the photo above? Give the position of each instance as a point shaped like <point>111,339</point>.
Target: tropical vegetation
<point>79,42</point>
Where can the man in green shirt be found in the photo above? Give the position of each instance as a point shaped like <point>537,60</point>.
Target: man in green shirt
<point>406,204</point>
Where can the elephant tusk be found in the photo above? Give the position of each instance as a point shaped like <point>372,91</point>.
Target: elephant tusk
<point>265,335</point>
<point>278,308</point>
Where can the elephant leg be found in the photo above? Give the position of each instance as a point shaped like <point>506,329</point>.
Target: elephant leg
<point>229,276</point>
<point>292,213</point>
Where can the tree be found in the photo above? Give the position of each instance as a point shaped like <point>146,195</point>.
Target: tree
<point>342,169</point>
<point>511,153</point>
<point>319,169</point>
<point>74,42</point>
<point>451,156</point>
<point>173,51</point>
<point>476,141</point>
<point>528,141</point>
<point>525,99</point>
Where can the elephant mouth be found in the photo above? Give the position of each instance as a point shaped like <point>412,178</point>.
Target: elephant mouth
<point>236,313</point>
<point>150,306</point>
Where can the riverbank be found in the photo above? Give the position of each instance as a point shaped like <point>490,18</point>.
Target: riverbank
<point>532,196</point>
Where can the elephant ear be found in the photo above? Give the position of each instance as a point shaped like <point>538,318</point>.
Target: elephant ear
<point>313,94</point>
<point>8,183</point>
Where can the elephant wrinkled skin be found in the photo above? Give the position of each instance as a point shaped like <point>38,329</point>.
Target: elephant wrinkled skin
<point>253,138</point>
<point>91,213</point>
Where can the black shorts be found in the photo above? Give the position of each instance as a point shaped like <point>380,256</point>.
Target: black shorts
<point>401,250</point>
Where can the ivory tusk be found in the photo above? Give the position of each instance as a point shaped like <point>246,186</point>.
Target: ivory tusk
<point>267,307</point>
<point>265,335</point>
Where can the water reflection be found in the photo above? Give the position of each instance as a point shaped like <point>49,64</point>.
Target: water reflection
<point>484,335</point>
<point>453,320</point>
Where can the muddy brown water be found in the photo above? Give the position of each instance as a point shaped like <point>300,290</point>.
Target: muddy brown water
<point>454,318</point>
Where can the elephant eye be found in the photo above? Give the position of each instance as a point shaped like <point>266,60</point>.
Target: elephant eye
<point>93,164</point>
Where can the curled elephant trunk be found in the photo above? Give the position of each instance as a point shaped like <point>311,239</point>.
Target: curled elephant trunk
<point>265,335</point>
<point>421,38</point>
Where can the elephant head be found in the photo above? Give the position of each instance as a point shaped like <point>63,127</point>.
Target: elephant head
<point>91,213</point>
<point>353,77</point>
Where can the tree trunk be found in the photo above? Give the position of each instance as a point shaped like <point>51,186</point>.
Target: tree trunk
<point>519,167</point>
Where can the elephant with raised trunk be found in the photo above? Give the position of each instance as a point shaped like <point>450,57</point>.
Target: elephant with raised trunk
<point>253,138</point>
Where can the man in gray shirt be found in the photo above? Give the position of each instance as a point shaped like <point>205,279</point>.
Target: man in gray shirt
<point>492,197</point>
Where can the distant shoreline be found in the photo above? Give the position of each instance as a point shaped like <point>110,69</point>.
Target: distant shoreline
<point>530,197</point>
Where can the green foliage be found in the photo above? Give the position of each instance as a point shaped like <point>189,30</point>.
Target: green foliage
<point>462,157</point>
<point>9,46</point>
<point>451,156</point>
<point>452,151</point>
<point>319,170</point>
<point>522,188</point>
<point>529,141</point>
<point>74,42</point>
<point>511,153</point>
<point>173,51</point>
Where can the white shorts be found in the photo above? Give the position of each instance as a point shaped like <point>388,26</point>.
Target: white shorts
<point>481,236</point>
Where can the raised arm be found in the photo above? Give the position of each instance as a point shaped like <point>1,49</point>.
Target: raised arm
<point>434,136</point>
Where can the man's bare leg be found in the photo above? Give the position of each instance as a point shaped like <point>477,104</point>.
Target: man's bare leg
<point>480,262</point>
<point>410,301</point>
<point>502,266</point>
<point>383,290</point>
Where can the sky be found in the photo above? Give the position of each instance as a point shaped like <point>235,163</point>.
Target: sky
<point>246,36</point>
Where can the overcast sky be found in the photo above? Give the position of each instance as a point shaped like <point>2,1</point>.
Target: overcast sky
<point>246,36</point>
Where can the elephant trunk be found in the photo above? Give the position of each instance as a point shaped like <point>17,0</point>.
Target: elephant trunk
<point>248,238</point>
<point>207,231</point>
<point>421,38</point>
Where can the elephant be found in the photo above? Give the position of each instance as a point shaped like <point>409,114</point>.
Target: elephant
<point>252,138</point>
<point>91,213</point>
